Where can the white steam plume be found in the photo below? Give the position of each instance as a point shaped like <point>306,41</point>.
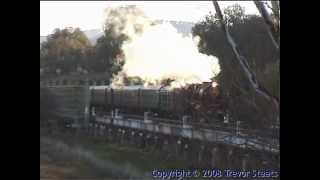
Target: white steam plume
<point>155,52</point>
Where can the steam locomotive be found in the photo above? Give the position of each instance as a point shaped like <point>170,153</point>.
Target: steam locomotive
<point>200,102</point>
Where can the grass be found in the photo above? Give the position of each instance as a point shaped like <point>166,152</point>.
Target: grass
<point>105,160</point>
<point>117,153</point>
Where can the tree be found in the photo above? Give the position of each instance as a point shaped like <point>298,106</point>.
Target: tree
<point>108,55</point>
<point>64,51</point>
<point>253,41</point>
<point>272,21</point>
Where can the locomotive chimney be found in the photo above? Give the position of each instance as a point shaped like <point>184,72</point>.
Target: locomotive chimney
<point>206,83</point>
<point>146,117</point>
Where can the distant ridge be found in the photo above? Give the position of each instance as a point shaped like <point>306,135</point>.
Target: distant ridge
<point>93,34</point>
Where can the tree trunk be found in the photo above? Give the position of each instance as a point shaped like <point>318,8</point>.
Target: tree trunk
<point>244,62</point>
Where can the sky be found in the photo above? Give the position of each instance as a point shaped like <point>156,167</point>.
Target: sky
<point>90,14</point>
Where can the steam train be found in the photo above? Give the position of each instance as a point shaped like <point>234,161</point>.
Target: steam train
<point>200,102</point>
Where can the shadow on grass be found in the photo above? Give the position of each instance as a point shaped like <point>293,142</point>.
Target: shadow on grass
<point>95,158</point>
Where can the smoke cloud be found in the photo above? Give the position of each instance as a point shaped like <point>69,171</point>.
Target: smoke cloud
<point>155,52</point>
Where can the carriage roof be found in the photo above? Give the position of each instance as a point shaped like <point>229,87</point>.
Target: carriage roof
<point>136,87</point>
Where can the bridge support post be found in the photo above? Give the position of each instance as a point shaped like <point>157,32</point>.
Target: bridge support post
<point>122,140</point>
<point>155,142</point>
<point>201,155</point>
<point>89,129</point>
<point>116,113</point>
<point>146,117</point>
<point>112,114</point>
<point>185,151</point>
<point>165,147</point>
<point>214,157</point>
<point>92,129</point>
<point>101,129</point>
<point>178,147</point>
<point>118,135</point>
<point>109,134</point>
<point>185,121</point>
<point>132,137</point>
<point>148,142</point>
<point>230,158</point>
<point>140,139</point>
<point>244,164</point>
<point>96,129</point>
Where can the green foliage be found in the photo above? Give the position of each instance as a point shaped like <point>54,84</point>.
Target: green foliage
<point>65,51</point>
<point>68,52</point>
<point>234,14</point>
<point>250,34</point>
<point>106,52</point>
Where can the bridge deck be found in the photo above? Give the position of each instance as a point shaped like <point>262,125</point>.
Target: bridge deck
<point>188,131</point>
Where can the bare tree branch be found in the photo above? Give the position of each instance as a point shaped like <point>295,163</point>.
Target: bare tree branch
<point>276,8</point>
<point>270,23</point>
<point>276,12</point>
<point>268,6</point>
<point>243,61</point>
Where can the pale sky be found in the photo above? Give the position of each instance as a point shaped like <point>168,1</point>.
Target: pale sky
<point>90,14</point>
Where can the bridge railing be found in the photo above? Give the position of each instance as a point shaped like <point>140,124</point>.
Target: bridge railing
<point>219,136</point>
<point>66,82</point>
<point>232,128</point>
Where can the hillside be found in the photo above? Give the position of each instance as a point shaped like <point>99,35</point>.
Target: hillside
<point>94,34</point>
